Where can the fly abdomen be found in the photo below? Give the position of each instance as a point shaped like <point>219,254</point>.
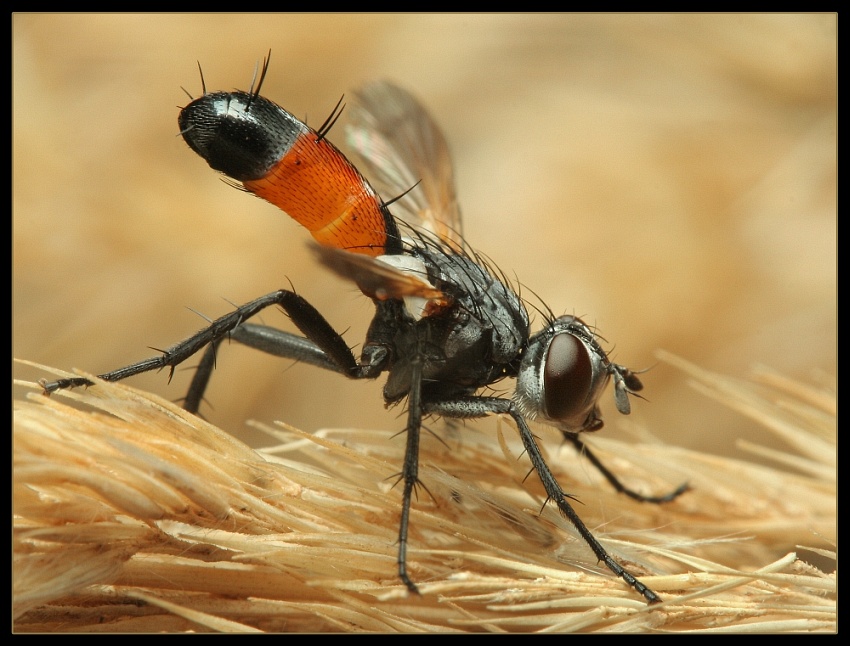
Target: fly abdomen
<point>281,159</point>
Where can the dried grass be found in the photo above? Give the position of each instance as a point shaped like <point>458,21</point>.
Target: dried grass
<point>131,515</point>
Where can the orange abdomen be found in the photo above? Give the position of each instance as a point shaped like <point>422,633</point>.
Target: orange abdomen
<point>282,160</point>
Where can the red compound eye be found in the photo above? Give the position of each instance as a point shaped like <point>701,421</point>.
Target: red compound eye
<point>568,377</point>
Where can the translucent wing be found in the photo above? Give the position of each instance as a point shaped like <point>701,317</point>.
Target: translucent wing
<point>403,153</point>
<point>398,276</point>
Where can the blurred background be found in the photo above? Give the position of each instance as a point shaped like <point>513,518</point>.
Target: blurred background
<point>669,178</point>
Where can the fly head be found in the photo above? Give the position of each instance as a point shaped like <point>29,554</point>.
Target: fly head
<point>563,373</point>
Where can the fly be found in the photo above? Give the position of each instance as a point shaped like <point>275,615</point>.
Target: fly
<point>447,324</point>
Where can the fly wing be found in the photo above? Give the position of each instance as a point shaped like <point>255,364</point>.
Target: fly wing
<point>398,276</point>
<point>405,156</point>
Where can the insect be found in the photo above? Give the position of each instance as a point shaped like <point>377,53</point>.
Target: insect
<point>447,324</point>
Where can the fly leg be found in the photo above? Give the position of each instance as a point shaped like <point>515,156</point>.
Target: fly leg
<point>470,407</point>
<point>555,493</point>
<point>582,448</point>
<point>410,471</point>
<point>322,346</point>
<point>266,339</point>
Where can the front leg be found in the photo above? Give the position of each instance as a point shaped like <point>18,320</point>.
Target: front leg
<point>582,449</point>
<point>470,407</point>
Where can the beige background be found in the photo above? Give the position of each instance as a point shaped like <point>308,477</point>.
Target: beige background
<point>670,178</point>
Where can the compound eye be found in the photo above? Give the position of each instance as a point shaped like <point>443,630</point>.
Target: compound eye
<point>568,377</point>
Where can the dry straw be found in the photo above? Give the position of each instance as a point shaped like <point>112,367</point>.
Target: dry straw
<point>132,515</point>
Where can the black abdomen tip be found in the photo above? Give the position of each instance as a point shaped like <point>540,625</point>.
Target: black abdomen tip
<point>240,134</point>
